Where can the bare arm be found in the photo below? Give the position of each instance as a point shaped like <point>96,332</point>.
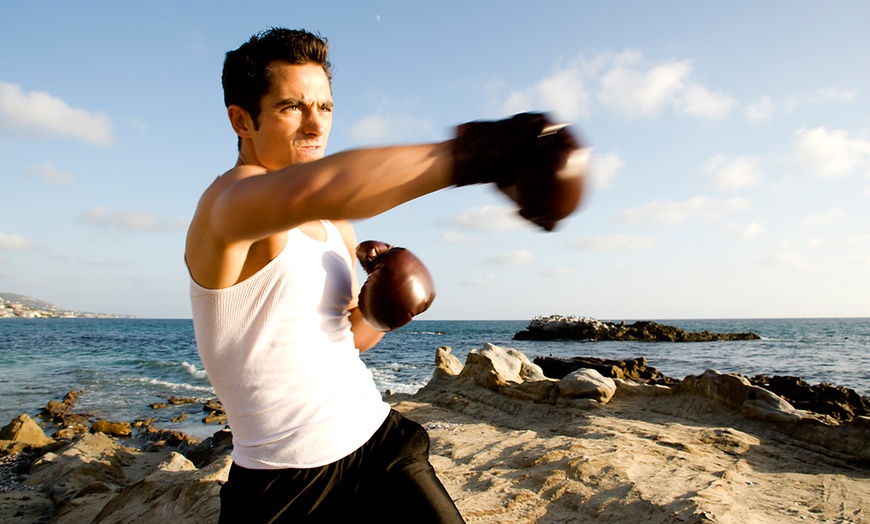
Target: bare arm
<point>345,186</point>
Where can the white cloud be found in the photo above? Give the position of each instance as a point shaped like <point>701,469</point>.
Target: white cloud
<point>626,83</point>
<point>824,218</point>
<point>733,175</point>
<point>849,240</point>
<point>674,213</point>
<point>513,258</point>
<point>789,260</point>
<point>760,111</point>
<point>614,243</point>
<point>483,280</point>
<point>489,218</point>
<point>563,92</point>
<point>130,220</point>
<point>831,153</point>
<point>832,94</point>
<point>389,128</point>
<point>49,174</point>
<point>631,87</point>
<point>15,242</point>
<point>697,100</point>
<point>752,230</point>
<point>457,238</point>
<point>603,168</point>
<point>557,272</point>
<point>39,114</point>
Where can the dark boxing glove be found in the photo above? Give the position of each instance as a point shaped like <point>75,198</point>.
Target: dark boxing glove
<point>536,163</point>
<point>398,286</point>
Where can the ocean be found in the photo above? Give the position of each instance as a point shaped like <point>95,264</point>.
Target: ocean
<point>122,366</point>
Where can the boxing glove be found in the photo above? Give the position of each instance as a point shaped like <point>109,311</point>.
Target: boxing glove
<point>398,286</point>
<point>535,162</point>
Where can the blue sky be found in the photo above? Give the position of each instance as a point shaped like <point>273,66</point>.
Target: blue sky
<point>731,148</point>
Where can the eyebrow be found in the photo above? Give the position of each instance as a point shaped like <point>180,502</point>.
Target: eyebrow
<point>299,101</point>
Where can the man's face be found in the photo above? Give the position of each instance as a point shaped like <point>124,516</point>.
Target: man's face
<point>295,116</point>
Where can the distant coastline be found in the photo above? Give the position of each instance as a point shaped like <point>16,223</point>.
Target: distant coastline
<point>20,306</point>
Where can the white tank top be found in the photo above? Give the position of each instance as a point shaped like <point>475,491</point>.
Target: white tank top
<point>278,349</point>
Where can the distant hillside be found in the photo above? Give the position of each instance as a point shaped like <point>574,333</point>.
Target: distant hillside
<point>21,306</point>
<point>33,303</point>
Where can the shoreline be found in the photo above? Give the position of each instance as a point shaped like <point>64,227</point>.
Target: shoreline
<point>508,452</point>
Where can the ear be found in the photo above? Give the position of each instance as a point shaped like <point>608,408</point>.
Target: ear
<point>241,121</point>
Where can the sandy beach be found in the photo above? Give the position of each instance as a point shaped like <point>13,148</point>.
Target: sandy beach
<point>650,454</point>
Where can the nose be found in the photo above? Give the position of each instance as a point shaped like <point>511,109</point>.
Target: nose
<point>315,123</point>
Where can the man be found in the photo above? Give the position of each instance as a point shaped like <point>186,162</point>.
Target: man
<point>274,294</point>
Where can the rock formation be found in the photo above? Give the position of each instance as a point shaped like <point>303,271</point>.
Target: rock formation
<point>633,369</point>
<point>710,391</point>
<point>580,447</point>
<point>23,434</point>
<point>556,327</point>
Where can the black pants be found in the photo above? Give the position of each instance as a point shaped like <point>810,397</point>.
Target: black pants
<point>388,479</point>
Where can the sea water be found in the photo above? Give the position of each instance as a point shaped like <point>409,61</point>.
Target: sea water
<point>123,366</point>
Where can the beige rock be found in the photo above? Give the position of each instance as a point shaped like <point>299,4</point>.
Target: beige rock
<point>630,387</point>
<point>546,391</point>
<point>495,367</point>
<point>115,429</point>
<point>92,458</point>
<point>23,434</point>
<point>738,393</point>
<point>446,364</point>
<point>174,492</point>
<point>587,383</point>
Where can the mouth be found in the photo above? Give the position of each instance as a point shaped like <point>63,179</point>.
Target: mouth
<point>309,152</point>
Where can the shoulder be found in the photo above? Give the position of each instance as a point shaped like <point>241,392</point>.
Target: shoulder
<point>229,179</point>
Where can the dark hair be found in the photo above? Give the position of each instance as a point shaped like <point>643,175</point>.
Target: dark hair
<point>246,75</point>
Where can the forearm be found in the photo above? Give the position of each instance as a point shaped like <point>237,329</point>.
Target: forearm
<point>364,336</point>
<point>364,183</point>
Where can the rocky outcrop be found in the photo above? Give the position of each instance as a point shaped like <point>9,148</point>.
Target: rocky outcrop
<point>24,434</point>
<point>174,491</point>
<point>508,371</point>
<point>840,403</point>
<point>709,392</point>
<point>632,369</point>
<point>96,479</point>
<point>556,327</point>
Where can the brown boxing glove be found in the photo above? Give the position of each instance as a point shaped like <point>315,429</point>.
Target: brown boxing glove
<point>535,162</point>
<point>398,286</point>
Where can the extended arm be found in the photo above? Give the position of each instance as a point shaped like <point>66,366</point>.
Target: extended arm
<point>345,186</point>
<point>240,220</point>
